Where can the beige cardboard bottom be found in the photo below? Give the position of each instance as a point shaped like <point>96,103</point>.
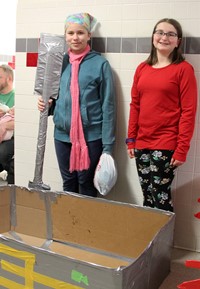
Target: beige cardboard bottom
<point>63,240</point>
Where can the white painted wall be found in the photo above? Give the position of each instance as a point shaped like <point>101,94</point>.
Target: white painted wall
<point>8,27</point>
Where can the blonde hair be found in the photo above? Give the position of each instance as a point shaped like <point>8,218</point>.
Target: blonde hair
<point>8,70</point>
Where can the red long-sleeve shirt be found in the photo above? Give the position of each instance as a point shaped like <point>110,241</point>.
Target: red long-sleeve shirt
<point>163,107</point>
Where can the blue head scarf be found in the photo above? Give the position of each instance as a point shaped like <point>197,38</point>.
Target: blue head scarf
<point>84,19</point>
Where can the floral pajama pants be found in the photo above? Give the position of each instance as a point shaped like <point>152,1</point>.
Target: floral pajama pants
<point>155,176</point>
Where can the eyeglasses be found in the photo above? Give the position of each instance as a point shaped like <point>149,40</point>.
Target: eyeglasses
<point>161,33</point>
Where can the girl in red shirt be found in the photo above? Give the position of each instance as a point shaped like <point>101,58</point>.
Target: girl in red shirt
<point>162,114</point>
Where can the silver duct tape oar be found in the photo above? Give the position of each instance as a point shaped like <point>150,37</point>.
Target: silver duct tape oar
<point>50,58</point>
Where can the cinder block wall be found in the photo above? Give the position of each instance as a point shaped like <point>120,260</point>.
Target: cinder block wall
<point>123,36</point>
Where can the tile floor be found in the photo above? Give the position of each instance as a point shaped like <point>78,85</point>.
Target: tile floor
<point>179,272</point>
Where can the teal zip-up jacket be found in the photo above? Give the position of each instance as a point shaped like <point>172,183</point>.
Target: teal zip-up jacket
<point>97,101</point>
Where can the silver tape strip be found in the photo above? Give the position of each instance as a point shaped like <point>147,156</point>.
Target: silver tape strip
<point>15,236</point>
<point>46,244</point>
<point>13,206</point>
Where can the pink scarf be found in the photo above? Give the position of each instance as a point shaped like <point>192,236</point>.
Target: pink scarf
<point>79,157</point>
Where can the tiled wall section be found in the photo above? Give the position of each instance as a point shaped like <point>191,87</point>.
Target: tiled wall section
<point>115,45</point>
<point>123,36</point>
<point>191,45</point>
<point>8,59</point>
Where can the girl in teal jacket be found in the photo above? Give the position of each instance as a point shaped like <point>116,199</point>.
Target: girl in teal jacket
<point>84,113</point>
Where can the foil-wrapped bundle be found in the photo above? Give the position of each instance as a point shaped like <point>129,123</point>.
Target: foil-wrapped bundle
<point>50,58</point>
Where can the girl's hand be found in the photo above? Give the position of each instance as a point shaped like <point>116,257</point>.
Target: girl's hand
<point>131,153</point>
<point>41,103</point>
<point>175,163</point>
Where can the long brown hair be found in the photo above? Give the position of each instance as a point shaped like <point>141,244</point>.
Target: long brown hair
<point>176,55</point>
